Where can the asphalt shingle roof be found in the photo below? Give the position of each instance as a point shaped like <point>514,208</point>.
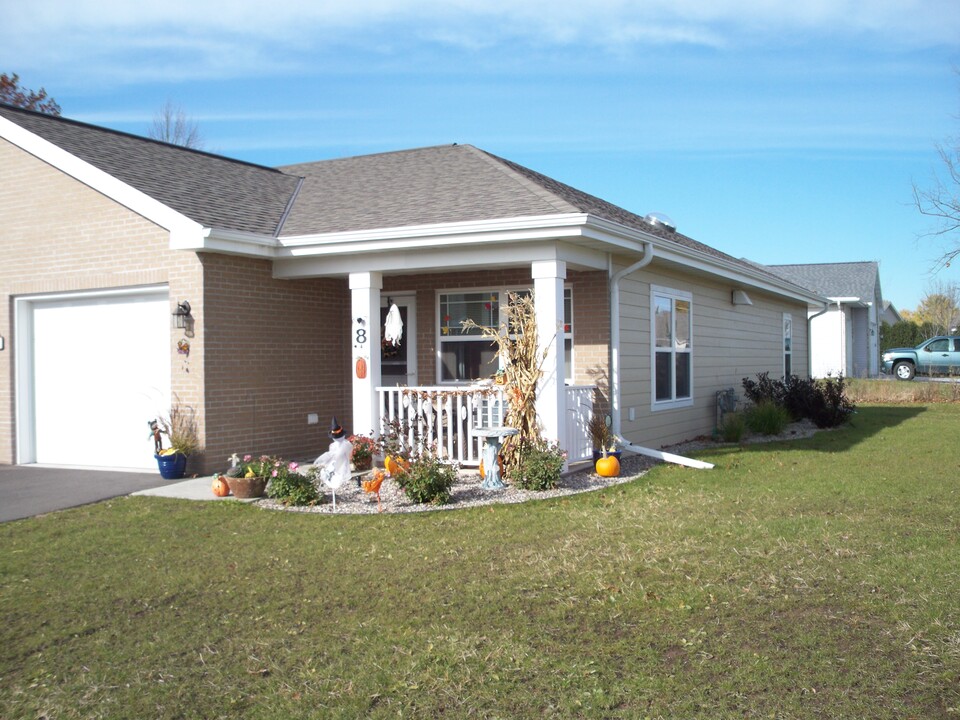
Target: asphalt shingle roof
<point>851,279</point>
<point>442,184</point>
<point>212,190</point>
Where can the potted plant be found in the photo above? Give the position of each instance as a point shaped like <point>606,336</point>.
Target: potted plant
<point>604,443</point>
<point>249,477</point>
<point>364,448</point>
<point>180,427</point>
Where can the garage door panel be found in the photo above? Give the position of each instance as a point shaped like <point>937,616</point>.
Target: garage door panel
<point>101,371</point>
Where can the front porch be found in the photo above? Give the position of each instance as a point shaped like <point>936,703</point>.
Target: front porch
<point>446,417</point>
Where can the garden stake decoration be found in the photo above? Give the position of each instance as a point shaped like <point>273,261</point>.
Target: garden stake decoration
<point>373,486</point>
<point>334,465</point>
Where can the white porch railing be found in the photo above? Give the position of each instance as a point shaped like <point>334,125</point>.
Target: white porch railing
<point>579,412</point>
<point>446,416</point>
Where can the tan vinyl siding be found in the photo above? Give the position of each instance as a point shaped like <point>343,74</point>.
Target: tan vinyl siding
<point>729,343</point>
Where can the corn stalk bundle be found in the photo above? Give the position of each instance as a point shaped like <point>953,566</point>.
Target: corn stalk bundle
<point>522,363</point>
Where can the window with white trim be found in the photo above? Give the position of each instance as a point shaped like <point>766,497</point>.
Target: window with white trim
<point>787,345</point>
<point>466,355</point>
<point>671,329</point>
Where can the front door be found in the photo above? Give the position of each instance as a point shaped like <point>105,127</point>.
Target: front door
<point>398,362</point>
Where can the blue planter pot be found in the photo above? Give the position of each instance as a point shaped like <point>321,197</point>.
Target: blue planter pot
<point>172,467</point>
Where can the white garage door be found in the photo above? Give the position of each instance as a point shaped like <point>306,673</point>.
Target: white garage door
<point>100,371</point>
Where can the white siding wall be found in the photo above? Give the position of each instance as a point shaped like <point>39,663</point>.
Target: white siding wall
<point>828,337</point>
<point>729,343</point>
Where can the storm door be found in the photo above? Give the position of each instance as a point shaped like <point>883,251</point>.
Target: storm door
<point>398,357</point>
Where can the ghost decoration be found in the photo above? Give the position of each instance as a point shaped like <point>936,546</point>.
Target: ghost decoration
<point>393,326</point>
<point>334,465</point>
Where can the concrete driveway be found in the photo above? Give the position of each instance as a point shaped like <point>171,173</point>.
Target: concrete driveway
<point>28,490</point>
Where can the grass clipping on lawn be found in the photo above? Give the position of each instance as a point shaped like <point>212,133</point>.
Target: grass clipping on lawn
<point>517,341</point>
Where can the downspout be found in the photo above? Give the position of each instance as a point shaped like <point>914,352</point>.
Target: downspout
<point>615,409</point>
<point>615,279</point>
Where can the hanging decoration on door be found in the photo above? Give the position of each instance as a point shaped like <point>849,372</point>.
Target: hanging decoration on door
<point>392,333</point>
<point>393,327</point>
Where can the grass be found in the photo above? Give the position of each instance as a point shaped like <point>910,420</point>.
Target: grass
<point>901,392</point>
<point>812,579</point>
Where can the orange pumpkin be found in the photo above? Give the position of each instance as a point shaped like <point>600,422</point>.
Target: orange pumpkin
<point>361,368</point>
<point>220,486</point>
<point>608,466</point>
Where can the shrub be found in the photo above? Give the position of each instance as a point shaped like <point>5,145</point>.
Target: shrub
<point>733,427</point>
<point>767,418</point>
<point>291,487</point>
<point>829,405</point>
<point>428,480</point>
<point>763,389</point>
<point>539,467</point>
<point>799,396</point>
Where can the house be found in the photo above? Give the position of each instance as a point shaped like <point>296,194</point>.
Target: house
<point>890,314</point>
<point>136,271</point>
<point>845,338</point>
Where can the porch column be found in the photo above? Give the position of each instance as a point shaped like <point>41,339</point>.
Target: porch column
<point>548,277</point>
<point>365,343</point>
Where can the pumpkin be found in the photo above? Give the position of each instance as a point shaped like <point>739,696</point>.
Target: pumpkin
<point>361,368</point>
<point>220,487</point>
<point>608,466</point>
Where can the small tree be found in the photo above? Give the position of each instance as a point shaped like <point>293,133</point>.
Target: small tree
<point>13,94</point>
<point>940,307</point>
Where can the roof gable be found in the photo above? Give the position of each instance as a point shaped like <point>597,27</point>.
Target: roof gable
<point>211,190</point>
<point>848,280</point>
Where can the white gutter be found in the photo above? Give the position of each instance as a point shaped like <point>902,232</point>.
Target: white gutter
<point>615,279</point>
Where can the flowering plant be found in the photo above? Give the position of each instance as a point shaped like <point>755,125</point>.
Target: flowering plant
<point>263,466</point>
<point>364,448</point>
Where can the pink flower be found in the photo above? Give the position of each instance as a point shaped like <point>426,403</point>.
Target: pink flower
<point>247,458</point>
<point>273,474</point>
<point>292,467</point>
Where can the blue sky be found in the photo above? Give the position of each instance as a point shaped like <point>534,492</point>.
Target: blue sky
<point>782,132</point>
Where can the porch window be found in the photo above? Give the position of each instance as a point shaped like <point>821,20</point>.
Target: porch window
<point>787,345</point>
<point>466,355</point>
<point>671,319</point>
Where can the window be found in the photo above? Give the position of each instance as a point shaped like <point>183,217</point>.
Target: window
<point>787,345</point>
<point>466,355</point>
<point>671,320</point>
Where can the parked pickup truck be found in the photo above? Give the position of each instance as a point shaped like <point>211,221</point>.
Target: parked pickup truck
<point>936,356</point>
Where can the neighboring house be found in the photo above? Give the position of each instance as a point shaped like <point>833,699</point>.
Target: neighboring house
<point>846,337</point>
<point>890,314</point>
<point>289,274</point>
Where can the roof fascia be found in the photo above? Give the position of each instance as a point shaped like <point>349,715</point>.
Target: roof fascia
<point>400,261</point>
<point>182,229</point>
<point>736,272</point>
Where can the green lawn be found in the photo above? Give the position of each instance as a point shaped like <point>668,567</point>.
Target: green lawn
<point>813,579</point>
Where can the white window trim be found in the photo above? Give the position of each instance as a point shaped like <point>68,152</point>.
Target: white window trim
<point>502,294</point>
<point>673,294</point>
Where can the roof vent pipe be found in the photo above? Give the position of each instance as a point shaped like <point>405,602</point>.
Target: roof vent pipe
<point>615,278</point>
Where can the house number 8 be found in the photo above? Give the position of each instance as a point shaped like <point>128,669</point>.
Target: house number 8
<point>361,336</point>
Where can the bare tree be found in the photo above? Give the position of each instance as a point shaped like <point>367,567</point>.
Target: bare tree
<point>941,201</point>
<point>172,125</point>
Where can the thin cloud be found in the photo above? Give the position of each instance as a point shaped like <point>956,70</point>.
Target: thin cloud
<point>122,41</point>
